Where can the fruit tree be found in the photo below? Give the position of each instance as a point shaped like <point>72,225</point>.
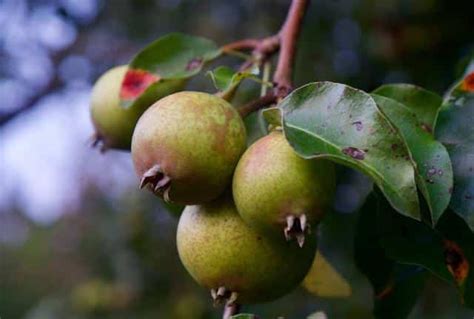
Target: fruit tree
<point>249,230</point>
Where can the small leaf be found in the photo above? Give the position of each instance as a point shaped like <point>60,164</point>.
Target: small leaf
<point>227,80</point>
<point>455,129</point>
<point>323,280</point>
<point>174,56</point>
<point>433,165</point>
<point>425,104</point>
<point>343,124</point>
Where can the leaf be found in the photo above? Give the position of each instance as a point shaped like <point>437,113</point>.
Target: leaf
<point>447,251</point>
<point>433,165</point>
<point>425,104</point>
<point>409,241</point>
<point>455,129</point>
<point>396,286</point>
<point>174,56</point>
<point>458,249</point>
<point>396,301</point>
<point>224,78</point>
<point>323,280</point>
<point>343,124</point>
<point>227,80</point>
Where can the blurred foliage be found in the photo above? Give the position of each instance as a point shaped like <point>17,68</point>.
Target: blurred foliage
<point>112,254</point>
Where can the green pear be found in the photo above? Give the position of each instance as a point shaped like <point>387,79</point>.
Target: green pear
<point>235,262</point>
<point>279,193</point>
<point>114,124</point>
<point>186,146</point>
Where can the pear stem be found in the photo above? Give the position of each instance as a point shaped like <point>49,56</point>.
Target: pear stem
<point>257,104</point>
<point>230,310</point>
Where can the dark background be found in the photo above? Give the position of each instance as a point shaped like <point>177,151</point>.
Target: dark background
<point>78,240</point>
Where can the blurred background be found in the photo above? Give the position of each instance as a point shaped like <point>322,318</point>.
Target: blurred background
<point>79,240</point>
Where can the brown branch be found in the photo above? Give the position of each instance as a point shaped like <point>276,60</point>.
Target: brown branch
<point>245,44</point>
<point>230,310</point>
<point>288,38</point>
<point>263,49</point>
<point>257,104</point>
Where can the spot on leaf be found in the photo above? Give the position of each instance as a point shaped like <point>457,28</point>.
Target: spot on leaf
<point>136,82</point>
<point>456,261</point>
<point>354,152</point>
<point>468,83</point>
<point>426,128</point>
<point>194,64</point>
<point>358,125</point>
<point>385,292</point>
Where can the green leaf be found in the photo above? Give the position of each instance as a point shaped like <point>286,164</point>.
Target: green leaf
<point>396,286</point>
<point>343,124</point>
<point>409,241</point>
<point>425,104</point>
<point>433,165</point>
<point>401,293</point>
<point>227,80</point>
<point>455,129</point>
<point>171,57</point>
<point>447,251</point>
<point>176,56</point>
<point>224,78</point>
<point>458,249</point>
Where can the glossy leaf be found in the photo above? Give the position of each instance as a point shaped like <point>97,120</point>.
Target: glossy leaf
<point>433,165</point>
<point>343,124</point>
<point>396,286</point>
<point>425,104</point>
<point>455,129</point>
<point>224,78</point>
<point>174,56</point>
<point>323,280</point>
<point>447,251</point>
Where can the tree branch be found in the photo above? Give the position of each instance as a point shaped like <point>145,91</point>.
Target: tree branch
<point>230,310</point>
<point>257,104</point>
<point>245,44</point>
<point>288,36</point>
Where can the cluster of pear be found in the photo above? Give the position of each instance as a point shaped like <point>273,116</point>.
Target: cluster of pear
<point>248,231</point>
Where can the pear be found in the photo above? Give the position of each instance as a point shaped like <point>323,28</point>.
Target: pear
<point>235,262</point>
<point>114,124</point>
<point>186,146</point>
<point>279,193</point>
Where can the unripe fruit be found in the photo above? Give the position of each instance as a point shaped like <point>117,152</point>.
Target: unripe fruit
<point>113,124</point>
<point>186,146</point>
<point>238,264</point>
<point>279,193</point>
